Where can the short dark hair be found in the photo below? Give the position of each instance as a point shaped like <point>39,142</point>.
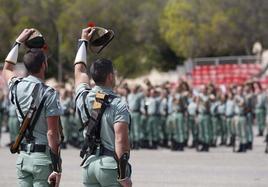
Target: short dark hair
<point>100,69</point>
<point>33,60</point>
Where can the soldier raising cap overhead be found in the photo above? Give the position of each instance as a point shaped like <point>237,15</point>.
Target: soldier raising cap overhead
<point>38,111</point>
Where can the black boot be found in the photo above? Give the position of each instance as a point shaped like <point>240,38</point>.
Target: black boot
<point>185,143</point>
<point>135,145</point>
<point>223,142</point>
<point>231,142</point>
<point>173,146</point>
<point>260,133</point>
<point>242,148</point>
<point>145,144</point>
<point>180,146</point>
<point>63,145</point>
<point>193,144</point>
<point>249,146</point>
<point>154,144</point>
<point>205,148</point>
<point>165,143</point>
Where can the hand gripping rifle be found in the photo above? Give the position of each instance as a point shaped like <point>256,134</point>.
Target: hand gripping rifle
<point>14,148</point>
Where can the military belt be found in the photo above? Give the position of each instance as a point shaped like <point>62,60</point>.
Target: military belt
<point>106,152</point>
<point>31,148</point>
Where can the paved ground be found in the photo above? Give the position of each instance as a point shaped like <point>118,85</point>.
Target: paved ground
<point>163,168</point>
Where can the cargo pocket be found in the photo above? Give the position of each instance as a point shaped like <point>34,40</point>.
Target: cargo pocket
<point>108,171</point>
<point>19,164</point>
<point>41,169</point>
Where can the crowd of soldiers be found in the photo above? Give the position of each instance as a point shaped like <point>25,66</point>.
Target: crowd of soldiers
<point>173,117</point>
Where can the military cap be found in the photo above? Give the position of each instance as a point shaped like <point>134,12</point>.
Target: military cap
<point>35,40</point>
<point>100,38</point>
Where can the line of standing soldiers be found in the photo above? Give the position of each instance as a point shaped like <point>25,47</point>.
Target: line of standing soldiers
<point>170,118</point>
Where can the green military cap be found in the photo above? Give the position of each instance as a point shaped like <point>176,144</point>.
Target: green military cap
<point>100,38</point>
<point>35,40</point>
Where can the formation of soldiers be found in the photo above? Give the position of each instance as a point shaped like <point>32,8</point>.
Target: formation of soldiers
<point>175,117</point>
<point>179,116</point>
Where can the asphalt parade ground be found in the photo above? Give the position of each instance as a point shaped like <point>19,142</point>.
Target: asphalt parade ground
<point>164,168</point>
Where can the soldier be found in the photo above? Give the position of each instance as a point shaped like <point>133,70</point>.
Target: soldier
<point>144,143</point>
<point>240,120</point>
<point>260,107</point>
<point>65,102</point>
<point>152,123</point>
<point>163,109</point>
<point>214,104</point>
<point>222,122</point>
<point>13,123</point>
<point>249,109</point>
<point>179,108</point>
<point>39,161</point>
<point>106,120</point>
<point>134,102</point>
<point>192,115</point>
<point>170,125</point>
<point>203,108</point>
<point>229,113</point>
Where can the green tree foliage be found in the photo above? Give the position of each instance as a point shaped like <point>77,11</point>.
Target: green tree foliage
<point>151,33</point>
<point>195,28</point>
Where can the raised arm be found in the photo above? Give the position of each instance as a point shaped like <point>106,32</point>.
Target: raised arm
<point>12,57</point>
<point>80,63</point>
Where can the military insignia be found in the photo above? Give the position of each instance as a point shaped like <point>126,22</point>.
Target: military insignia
<point>96,105</point>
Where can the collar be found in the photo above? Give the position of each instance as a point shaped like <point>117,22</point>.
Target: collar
<point>32,78</point>
<point>104,89</point>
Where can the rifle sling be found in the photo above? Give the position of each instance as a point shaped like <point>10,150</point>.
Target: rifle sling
<point>39,110</point>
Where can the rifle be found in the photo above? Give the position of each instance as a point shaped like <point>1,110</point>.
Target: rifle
<point>14,148</point>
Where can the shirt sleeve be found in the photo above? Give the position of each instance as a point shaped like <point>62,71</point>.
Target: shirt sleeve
<point>79,100</point>
<point>122,113</point>
<point>11,82</point>
<point>53,107</point>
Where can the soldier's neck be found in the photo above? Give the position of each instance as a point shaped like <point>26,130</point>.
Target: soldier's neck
<point>39,75</point>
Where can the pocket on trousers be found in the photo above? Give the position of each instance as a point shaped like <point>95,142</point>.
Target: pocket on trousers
<point>108,163</point>
<point>19,164</point>
<point>42,169</point>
